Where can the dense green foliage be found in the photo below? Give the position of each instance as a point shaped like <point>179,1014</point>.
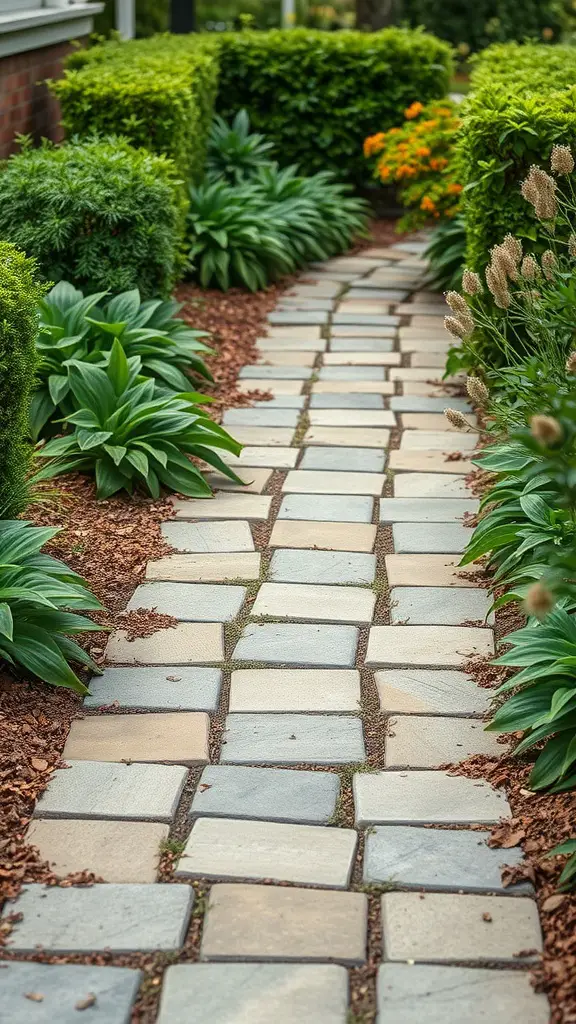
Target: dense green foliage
<point>34,589</point>
<point>446,253</point>
<point>234,152</point>
<point>474,26</point>
<point>19,297</point>
<point>98,213</point>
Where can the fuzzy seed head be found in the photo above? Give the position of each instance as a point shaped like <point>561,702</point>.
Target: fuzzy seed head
<point>539,190</point>
<point>549,264</point>
<point>456,328</point>
<point>478,391</point>
<point>562,161</point>
<point>571,363</point>
<point>471,283</point>
<point>529,269</point>
<point>498,287</point>
<point>457,303</point>
<point>572,246</point>
<point>503,263</point>
<point>539,600</point>
<point>546,430</point>
<point>457,419</point>
<point>513,247</point>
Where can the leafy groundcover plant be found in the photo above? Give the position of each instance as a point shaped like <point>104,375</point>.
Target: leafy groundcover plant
<point>130,437</point>
<point>37,593</point>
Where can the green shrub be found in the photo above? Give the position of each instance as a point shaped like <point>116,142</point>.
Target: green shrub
<point>474,26</point>
<point>234,152</point>
<point>98,213</point>
<point>19,297</point>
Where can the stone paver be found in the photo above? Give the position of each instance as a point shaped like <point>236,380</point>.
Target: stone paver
<point>316,603</point>
<point>441,859</point>
<point>359,437</point>
<point>423,404</point>
<point>260,417</point>
<point>224,506</point>
<point>302,481</point>
<point>425,798</point>
<point>190,602</point>
<point>285,924</point>
<point>259,372</point>
<point>290,334</point>
<point>199,537</point>
<point>209,568</point>
<point>451,995</point>
<point>255,994</point>
<point>390,294</point>
<point>276,387</point>
<point>116,851</point>
<point>426,510</point>
<point>352,344</point>
<point>438,440</point>
<point>294,533</point>
<point>421,742</point>
<point>430,485</point>
<point>336,508</point>
<point>102,789</point>
<point>329,289</point>
<point>428,606</point>
<point>300,318</point>
<point>312,690</point>
<point>271,794</point>
<point>301,566</point>
<point>285,358</point>
<point>156,689</point>
<point>364,320</point>
<point>119,918</point>
<point>347,400</point>
<point>64,986</point>
<point>430,537</point>
<point>313,345</point>
<point>278,402</point>
<point>342,373</point>
<point>402,461</point>
<point>431,421</point>
<point>361,358</point>
<point>419,691</point>
<point>440,927</point>
<point>292,739</point>
<point>428,570</point>
<point>178,738</point>
<point>442,646</point>
<point>254,481</point>
<point>352,418</point>
<point>229,848</point>
<point>430,359</point>
<point>272,458</point>
<point>363,460</point>
<point>280,436</point>
<point>185,644</point>
<point>298,644</point>
<point>358,387</point>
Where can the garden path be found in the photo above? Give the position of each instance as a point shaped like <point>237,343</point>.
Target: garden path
<point>282,741</point>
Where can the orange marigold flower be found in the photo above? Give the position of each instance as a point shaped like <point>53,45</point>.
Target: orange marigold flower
<point>394,131</point>
<point>429,124</point>
<point>423,151</point>
<point>413,110</point>
<point>373,144</point>
<point>454,189</point>
<point>428,204</point>
<point>443,111</point>
<point>383,171</point>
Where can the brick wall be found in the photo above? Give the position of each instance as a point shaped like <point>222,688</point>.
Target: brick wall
<point>26,104</point>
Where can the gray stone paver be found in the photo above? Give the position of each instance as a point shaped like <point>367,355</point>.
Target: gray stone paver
<point>437,646</point>
<point>254,480</point>
<point>255,994</point>
<point>229,848</point>
<point>430,537</point>
<point>208,537</point>
<point>301,566</point>
<point>224,506</point>
<point>275,372</point>
<point>272,458</point>
<point>304,481</point>
<point>121,918</point>
<point>218,567</point>
<point>297,689</point>
<point>351,418</point>
<point>280,437</point>
<point>298,644</point>
<point>420,403</point>
<point>426,510</point>
<point>430,485</point>
<point>102,789</point>
<point>190,602</point>
<point>440,605</point>
<point>187,643</point>
<point>352,373</point>
<point>63,987</point>
<point>260,417</point>
<point>351,344</point>
<point>176,688</point>
<point>292,739</point>
<point>270,794</point>
<point>347,400</point>
<point>316,603</point>
<point>425,798</point>
<point>300,318</point>
<point>360,437</point>
<point>420,691</point>
<point>359,460</point>
<point>337,508</point>
<point>416,741</point>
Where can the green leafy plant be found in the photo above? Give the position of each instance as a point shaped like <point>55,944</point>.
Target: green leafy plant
<point>234,152</point>
<point>37,595</point>
<point>129,437</point>
<point>446,254</point>
<point>74,327</point>
<point>473,27</point>
<point>567,879</point>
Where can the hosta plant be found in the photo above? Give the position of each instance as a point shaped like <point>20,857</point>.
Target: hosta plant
<point>75,327</point>
<point>39,596</point>
<point>129,436</point>
<point>234,152</point>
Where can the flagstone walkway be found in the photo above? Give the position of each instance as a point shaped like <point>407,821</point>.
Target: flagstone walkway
<point>285,738</point>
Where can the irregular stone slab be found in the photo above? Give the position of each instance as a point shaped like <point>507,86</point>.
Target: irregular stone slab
<point>281,436</point>
<point>350,344</point>
<point>295,566</point>
<point>261,417</point>
<point>294,533</point>
<point>424,404</point>
<point>177,738</point>
<point>185,644</point>
<point>301,481</point>
<point>213,568</point>
<point>434,359</point>
<point>64,986</point>
<point>254,481</point>
<point>429,375</point>
<point>336,508</point>
<point>315,603</point>
<point>156,689</point>
<point>361,358</point>
<point>298,644</point>
<point>230,848</point>
<point>346,400</point>
<point>433,421</point>
<point>425,798</point>
<point>445,926</point>
<point>390,294</point>
<point>272,458</point>
<point>224,506</point>
<point>270,794</point>
<point>270,344</point>
<point>359,437</point>
<point>217,536</point>
<point>352,373</point>
<point>450,995</point>
<point>364,320</point>
<point>326,288</point>
<point>359,460</point>
<point>289,302</point>
<point>352,418</point>
<point>292,739</point>
<point>431,537</point>
<point>190,602</point>
<point>429,606</point>
<point>440,440</point>
<point>285,357</point>
<point>427,462</point>
<point>357,330</point>
<point>426,510</point>
<point>423,570</point>
<point>116,851</point>
<point>430,485</point>
<point>285,924</point>
<point>315,690</point>
<point>100,789</point>
<point>418,691</point>
<point>376,387</point>
<point>275,387</point>
<point>291,334</point>
<point>303,318</point>
<point>441,646</point>
<point>275,372</point>
<point>422,742</point>
<point>255,994</point>
<point>440,859</point>
<point>356,264</point>
<point>118,918</point>
<point>373,307</point>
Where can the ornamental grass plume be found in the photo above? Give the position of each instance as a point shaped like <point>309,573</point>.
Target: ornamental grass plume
<point>471,282</point>
<point>539,190</point>
<point>513,246</point>
<point>503,262</point>
<point>478,391</point>
<point>529,269</point>
<point>546,429</point>
<point>539,600</point>
<point>572,245</point>
<point>457,304</point>
<point>498,287</point>
<point>561,160</point>
<point>549,264</point>
<point>458,327</point>
<point>457,419</point>
<point>571,363</point>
